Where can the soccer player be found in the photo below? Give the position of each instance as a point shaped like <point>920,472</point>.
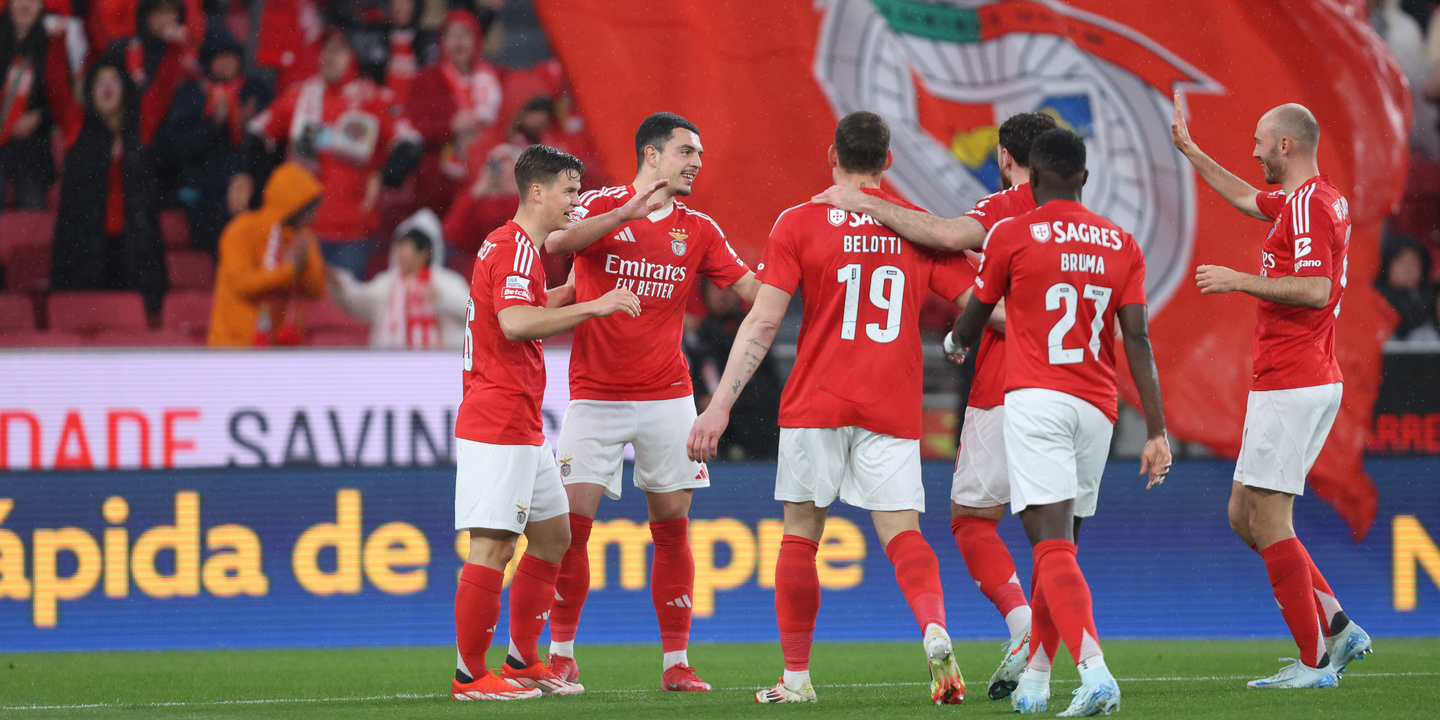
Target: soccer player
<point>1296,389</point>
<point>1066,274</point>
<point>850,411</point>
<point>507,481</point>
<point>980,487</point>
<point>629,382</point>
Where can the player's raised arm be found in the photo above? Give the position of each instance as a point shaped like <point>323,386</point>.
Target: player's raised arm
<point>752,342</point>
<point>1237,192</point>
<point>578,236</point>
<point>952,234</point>
<point>1135,327</point>
<point>525,322</point>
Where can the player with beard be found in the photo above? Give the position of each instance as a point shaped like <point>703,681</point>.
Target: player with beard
<point>1295,393</point>
<point>980,487</point>
<point>630,383</point>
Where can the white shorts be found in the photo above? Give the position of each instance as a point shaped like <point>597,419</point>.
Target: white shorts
<point>1056,445</point>
<point>504,487</point>
<point>981,479</point>
<point>862,468</point>
<point>593,437</point>
<point>1284,431</point>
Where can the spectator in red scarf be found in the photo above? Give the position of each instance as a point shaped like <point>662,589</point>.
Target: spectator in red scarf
<point>159,57</point>
<point>199,145</point>
<point>411,46</point>
<point>107,235</point>
<point>486,203</point>
<point>27,165</point>
<point>348,129</point>
<point>537,109</point>
<point>288,42</point>
<point>109,20</point>
<point>452,102</point>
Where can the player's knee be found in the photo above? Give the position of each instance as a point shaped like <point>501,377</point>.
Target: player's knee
<point>996,513</point>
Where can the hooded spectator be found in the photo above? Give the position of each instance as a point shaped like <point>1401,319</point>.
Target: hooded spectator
<point>199,146</point>
<point>451,103</point>
<point>349,130</point>
<point>107,235</point>
<point>1404,273</point>
<point>417,302</point>
<point>109,20</point>
<point>27,164</point>
<point>269,258</point>
<point>411,47</point>
<point>158,58</point>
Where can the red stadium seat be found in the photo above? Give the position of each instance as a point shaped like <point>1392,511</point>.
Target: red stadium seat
<point>141,339</point>
<point>190,270</point>
<point>175,229</point>
<point>325,314</point>
<point>25,227</point>
<point>27,269</point>
<point>17,313</point>
<point>338,337</point>
<point>34,339</point>
<point>188,312</point>
<point>88,312</point>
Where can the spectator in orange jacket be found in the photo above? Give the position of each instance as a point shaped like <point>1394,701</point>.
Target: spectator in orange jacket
<point>269,257</point>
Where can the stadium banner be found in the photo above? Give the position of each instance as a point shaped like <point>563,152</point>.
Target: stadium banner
<point>766,86</point>
<point>1407,413</point>
<point>342,557</point>
<point>70,410</point>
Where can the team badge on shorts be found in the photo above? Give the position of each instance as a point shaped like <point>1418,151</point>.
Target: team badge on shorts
<point>1040,231</point>
<point>836,216</point>
<point>677,242</point>
<point>521,512</point>
<point>927,66</point>
<point>565,465</point>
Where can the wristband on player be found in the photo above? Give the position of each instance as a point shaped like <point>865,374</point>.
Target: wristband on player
<point>950,347</point>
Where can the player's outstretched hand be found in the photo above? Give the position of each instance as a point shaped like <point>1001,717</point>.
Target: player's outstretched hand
<point>704,441</point>
<point>1179,131</point>
<point>617,300</point>
<point>845,198</point>
<point>639,205</point>
<point>1155,460</point>
<point>1213,279</point>
<point>954,353</point>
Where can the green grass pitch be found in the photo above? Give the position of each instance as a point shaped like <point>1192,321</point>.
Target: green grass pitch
<point>1158,679</point>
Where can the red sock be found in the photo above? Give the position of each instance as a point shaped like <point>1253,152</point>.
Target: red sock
<point>573,585</point>
<point>797,599</point>
<point>917,570</point>
<point>532,592</point>
<point>989,562</point>
<point>1288,565</point>
<point>477,612</point>
<point>1044,638</point>
<point>1068,597</point>
<point>1326,606</point>
<point>672,581</point>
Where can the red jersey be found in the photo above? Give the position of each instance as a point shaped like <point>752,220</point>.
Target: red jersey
<point>504,379</point>
<point>1295,346</point>
<point>658,258</point>
<point>859,359</point>
<point>1064,272</point>
<point>987,389</point>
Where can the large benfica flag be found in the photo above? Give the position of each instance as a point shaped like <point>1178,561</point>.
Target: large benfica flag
<point>765,82</point>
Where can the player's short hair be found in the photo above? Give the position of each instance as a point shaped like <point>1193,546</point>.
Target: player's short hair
<point>1019,131</point>
<point>1059,151</point>
<point>862,141</point>
<point>542,164</point>
<point>655,131</point>
<point>1297,123</point>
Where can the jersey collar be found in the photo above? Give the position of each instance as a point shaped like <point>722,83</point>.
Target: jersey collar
<point>660,214</point>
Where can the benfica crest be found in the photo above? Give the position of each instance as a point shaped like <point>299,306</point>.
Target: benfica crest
<point>677,242</point>
<point>945,73</point>
<point>1040,231</point>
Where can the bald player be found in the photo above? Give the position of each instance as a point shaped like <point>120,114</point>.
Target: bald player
<point>1296,389</point>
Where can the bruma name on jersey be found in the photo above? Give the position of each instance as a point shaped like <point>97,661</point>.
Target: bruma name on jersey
<point>1295,346</point>
<point>859,359</point>
<point>1064,273</point>
<point>504,379</point>
<point>658,258</point>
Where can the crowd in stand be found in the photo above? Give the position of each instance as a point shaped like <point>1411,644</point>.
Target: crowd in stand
<point>356,162</point>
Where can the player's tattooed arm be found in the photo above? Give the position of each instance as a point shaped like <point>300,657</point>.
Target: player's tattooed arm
<point>1135,327</point>
<point>580,235</point>
<point>752,344</point>
<point>921,228</point>
<point>1310,292</point>
<point>1237,192</point>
